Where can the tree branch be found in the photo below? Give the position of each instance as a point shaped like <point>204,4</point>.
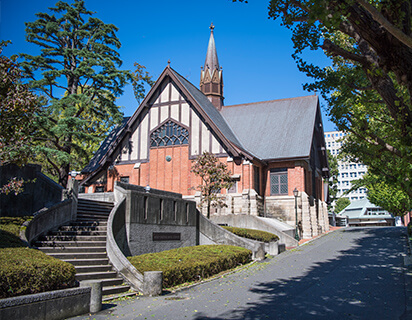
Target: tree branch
<point>335,50</point>
<point>377,16</point>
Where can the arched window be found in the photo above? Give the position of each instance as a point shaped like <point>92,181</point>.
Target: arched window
<point>169,134</point>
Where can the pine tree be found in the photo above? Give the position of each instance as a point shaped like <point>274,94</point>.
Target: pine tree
<point>77,76</point>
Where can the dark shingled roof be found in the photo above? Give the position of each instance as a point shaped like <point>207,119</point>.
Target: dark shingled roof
<point>276,129</point>
<point>94,163</point>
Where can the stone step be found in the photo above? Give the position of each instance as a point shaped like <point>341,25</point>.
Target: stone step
<point>74,237</point>
<point>87,262</point>
<point>83,228</point>
<point>82,201</point>
<point>78,232</point>
<point>105,211</point>
<point>115,292</point>
<point>92,217</point>
<point>90,208</point>
<point>111,282</point>
<point>79,256</point>
<point>89,220</point>
<point>73,250</point>
<point>97,275</point>
<point>70,244</point>
<point>93,268</point>
<point>97,212</point>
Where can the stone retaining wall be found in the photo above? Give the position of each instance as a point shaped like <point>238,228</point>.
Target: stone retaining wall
<point>52,305</point>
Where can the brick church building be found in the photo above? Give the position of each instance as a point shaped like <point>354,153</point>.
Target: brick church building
<point>270,147</point>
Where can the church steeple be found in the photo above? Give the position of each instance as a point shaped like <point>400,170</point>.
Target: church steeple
<point>211,79</point>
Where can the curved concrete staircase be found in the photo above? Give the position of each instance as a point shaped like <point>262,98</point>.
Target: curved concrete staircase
<point>83,244</point>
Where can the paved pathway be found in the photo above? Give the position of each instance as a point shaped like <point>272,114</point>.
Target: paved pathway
<point>347,274</point>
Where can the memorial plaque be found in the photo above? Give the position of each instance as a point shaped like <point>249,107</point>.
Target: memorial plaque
<point>166,236</point>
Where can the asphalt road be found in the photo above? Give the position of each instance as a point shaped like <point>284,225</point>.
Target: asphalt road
<point>354,273</point>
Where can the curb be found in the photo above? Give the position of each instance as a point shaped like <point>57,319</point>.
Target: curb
<point>319,236</point>
<point>407,262</point>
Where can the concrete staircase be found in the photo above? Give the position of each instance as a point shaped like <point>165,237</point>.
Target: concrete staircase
<point>83,244</point>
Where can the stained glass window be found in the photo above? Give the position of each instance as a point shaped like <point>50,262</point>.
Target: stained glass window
<point>169,134</point>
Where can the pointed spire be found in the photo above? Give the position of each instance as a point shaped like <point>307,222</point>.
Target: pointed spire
<point>211,79</point>
<point>211,61</point>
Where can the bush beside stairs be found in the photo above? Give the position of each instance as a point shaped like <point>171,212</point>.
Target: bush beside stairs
<point>83,244</point>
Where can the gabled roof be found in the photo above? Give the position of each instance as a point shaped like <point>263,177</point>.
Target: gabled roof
<point>358,209</point>
<point>108,143</point>
<point>198,101</point>
<point>288,124</point>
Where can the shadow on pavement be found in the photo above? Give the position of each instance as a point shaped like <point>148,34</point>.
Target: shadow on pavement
<point>368,273</point>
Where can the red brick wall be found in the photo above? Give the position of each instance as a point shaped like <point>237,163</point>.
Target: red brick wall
<point>296,176</point>
<point>175,175</point>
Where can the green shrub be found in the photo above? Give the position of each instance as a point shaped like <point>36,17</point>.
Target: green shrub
<point>26,271</point>
<point>191,263</point>
<point>257,235</point>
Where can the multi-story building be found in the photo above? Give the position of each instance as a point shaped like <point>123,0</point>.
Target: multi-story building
<point>348,171</point>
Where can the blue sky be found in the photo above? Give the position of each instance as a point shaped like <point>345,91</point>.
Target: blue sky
<point>254,51</point>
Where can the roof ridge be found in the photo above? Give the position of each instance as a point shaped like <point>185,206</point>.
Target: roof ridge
<point>266,101</point>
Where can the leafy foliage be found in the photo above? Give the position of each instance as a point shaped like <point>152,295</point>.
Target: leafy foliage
<point>388,197</point>
<point>188,264</point>
<point>333,179</point>
<point>140,78</point>
<point>368,87</point>
<point>341,204</point>
<point>253,234</point>
<point>77,75</point>
<point>17,109</point>
<point>215,177</point>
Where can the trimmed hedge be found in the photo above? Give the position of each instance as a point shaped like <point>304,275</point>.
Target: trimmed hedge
<point>253,234</point>
<point>189,264</point>
<point>27,271</point>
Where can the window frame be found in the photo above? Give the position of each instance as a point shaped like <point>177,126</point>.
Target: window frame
<point>278,173</point>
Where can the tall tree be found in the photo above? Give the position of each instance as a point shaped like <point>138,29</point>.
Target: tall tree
<point>18,107</point>
<point>369,85</point>
<point>333,179</point>
<point>215,177</point>
<point>78,77</point>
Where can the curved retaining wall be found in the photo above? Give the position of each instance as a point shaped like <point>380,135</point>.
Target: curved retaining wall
<point>253,222</point>
<point>116,244</point>
<point>50,219</point>
<point>55,216</point>
<point>211,233</point>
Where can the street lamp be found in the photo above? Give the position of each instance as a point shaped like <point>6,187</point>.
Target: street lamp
<point>296,193</point>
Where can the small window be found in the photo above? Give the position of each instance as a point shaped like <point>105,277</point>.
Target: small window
<point>124,179</point>
<point>233,188</point>
<point>145,205</point>
<point>99,189</point>
<point>279,181</point>
<point>161,209</point>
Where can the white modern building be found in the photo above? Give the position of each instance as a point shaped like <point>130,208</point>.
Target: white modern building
<point>348,171</point>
